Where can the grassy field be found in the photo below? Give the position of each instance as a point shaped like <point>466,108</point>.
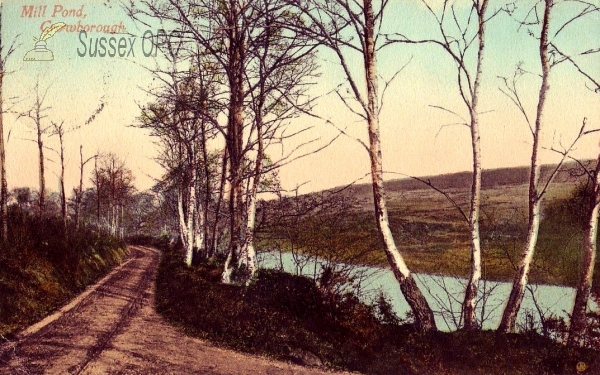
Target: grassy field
<point>430,231</point>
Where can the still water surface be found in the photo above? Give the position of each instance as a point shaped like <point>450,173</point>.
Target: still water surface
<point>444,293</point>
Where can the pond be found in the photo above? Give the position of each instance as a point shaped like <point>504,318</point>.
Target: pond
<point>444,293</point>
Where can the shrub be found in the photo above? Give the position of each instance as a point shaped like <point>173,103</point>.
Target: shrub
<point>42,266</point>
<point>290,318</point>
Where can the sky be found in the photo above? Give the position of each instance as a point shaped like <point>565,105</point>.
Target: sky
<point>415,140</point>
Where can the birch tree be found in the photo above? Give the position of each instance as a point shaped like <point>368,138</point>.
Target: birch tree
<point>236,35</point>
<point>548,53</point>
<point>221,31</point>
<point>578,326</point>
<point>354,26</point>
<point>183,119</point>
<point>280,70</point>
<point>457,37</point>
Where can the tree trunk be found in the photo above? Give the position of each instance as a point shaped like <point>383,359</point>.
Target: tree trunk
<point>207,195</point>
<point>578,328</point>
<point>199,231</point>
<point>199,224</point>
<point>235,133</point>
<point>509,316</point>
<point>191,230</point>
<point>79,194</point>
<point>42,180</point>
<point>213,241</point>
<point>248,252</point>
<point>97,192</point>
<point>3,184</point>
<point>469,304</point>
<point>63,194</point>
<point>122,221</point>
<point>424,318</point>
<point>181,214</point>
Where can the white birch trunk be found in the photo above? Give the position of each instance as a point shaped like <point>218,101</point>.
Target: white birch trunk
<point>235,133</point>
<point>578,328</point>
<point>468,307</point>
<point>423,314</point>
<point>189,254</point>
<point>248,252</point>
<point>509,316</point>
<point>182,224</point>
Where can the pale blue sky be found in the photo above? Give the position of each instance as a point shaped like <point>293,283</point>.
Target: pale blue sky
<point>408,124</point>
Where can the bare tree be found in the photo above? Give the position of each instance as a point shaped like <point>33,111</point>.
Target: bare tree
<point>37,114</point>
<point>352,26</point>
<point>262,67</point>
<point>183,119</point>
<point>537,188</point>
<point>471,29</point>
<point>281,67</point>
<point>5,53</point>
<point>58,129</point>
<point>114,182</point>
<point>578,327</point>
<point>78,192</point>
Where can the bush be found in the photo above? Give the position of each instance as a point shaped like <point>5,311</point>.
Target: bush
<point>288,317</point>
<point>43,267</point>
<point>278,315</point>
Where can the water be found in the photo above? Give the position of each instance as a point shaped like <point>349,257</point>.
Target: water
<point>444,293</point>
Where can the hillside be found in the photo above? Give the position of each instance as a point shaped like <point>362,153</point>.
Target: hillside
<point>430,231</point>
<point>491,179</point>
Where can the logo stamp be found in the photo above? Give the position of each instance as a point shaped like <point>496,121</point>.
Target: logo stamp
<point>41,52</point>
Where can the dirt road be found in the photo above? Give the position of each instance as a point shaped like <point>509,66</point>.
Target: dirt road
<point>113,329</point>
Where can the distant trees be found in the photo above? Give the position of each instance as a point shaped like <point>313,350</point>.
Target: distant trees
<point>113,185</point>
<point>58,129</point>
<point>78,191</point>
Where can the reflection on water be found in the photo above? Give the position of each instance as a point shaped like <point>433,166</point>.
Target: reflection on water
<point>444,293</point>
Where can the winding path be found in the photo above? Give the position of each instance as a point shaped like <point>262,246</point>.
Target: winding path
<point>112,328</point>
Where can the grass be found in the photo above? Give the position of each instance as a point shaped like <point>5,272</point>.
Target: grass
<point>281,315</point>
<point>42,268</point>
